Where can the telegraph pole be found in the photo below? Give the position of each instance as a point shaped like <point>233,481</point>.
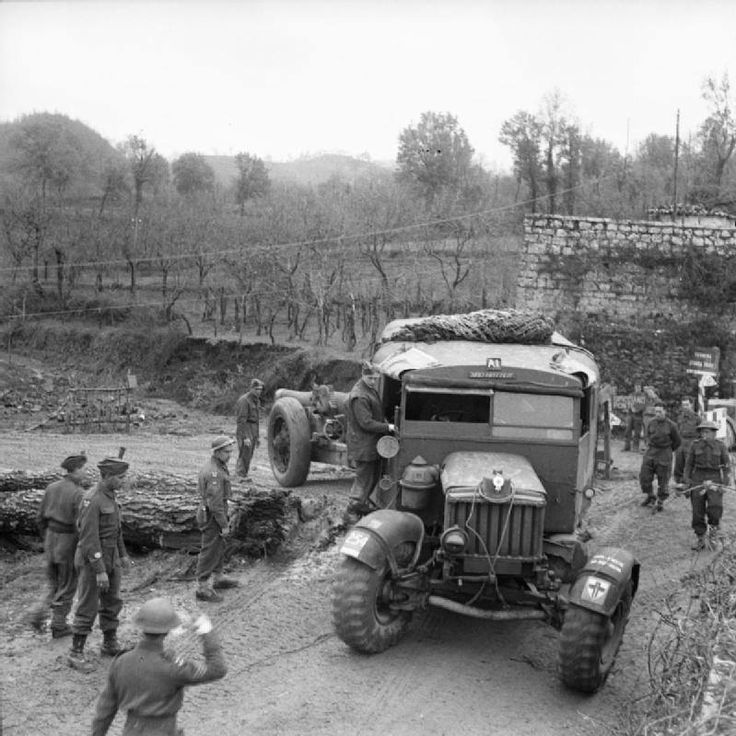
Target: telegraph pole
<point>677,156</point>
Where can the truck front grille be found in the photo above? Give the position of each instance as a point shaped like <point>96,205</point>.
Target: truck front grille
<point>498,529</point>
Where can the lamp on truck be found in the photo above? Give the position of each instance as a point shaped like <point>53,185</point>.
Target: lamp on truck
<point>454,540</point>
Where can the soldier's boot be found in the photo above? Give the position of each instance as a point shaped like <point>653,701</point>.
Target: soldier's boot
<point>75,658</point>
<point>223,582</point>
<point>650,500</point>
<point>699,543</point>
<point>59,631</point>
<point>207,593</point>
<point>660,505</point>
<point>110,646</point>
<point>37,620</point>
<point>714,536</point>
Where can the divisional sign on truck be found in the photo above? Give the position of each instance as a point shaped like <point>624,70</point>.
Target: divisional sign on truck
<point>704,360</point>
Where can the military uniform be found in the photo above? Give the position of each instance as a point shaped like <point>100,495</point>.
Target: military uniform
<point>662,439</point>
<point>687,425</point>
<point>365,425</point>
<point>57,522</point>
<point>635,422</point>
<point>247,417</point>
<point>100,549</point>
<point>148,683</point>
<point>212,517</point>
<point>707,459</point>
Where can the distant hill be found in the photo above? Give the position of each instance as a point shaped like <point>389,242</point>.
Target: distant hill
<point>305,170</point>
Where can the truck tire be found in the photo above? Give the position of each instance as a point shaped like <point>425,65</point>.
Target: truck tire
<point>589,642</point>
<point>361,617</point>
<point>289,442</point>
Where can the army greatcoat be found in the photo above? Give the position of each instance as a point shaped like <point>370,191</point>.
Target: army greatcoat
<point>247,418</point>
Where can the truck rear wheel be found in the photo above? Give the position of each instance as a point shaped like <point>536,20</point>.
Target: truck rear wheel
<point>589,642</point>
<point>289,442</point>
<point>360,610</point>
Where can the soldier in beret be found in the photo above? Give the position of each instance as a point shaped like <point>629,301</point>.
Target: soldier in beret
<point>148,682</point>
<point>99,557</point>
<point>214,521</point>
<point>707,462</point>
<point>247,417</point>
<point>57,522</point>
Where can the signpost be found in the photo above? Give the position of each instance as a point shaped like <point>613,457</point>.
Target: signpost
<point>704,363</point>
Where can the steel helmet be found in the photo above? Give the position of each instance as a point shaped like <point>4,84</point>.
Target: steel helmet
<point>708,425</point>
<point>221,442</point>
<point>156,616</point>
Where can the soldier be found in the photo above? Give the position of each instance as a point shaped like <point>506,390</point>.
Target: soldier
<point>247,417</point>
<point>635,419</point>
<point>365,427</point>
<point>99,557</point>
<point>57,522</point>
<point>687,425</point>
<point>662,440</point>
<point>707,462</point>
<point>147,682</point>
<point>213,521</point>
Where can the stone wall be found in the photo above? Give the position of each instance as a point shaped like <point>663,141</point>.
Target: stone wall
<point>625,290</point>
<point>625,270</point>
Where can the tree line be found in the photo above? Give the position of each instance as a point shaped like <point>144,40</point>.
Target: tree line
<point>80,219</point>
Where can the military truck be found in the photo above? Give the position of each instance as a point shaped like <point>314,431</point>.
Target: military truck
<point>483,489</point>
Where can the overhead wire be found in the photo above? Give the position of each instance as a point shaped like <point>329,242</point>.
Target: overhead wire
<point>332,239</point>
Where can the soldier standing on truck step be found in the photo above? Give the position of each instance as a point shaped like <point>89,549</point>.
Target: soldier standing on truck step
<point>662,440</point>
<point>99,557</point>
<point>366,425</point>
<point>213,520</point>
<point>247,418</point>
<point>57,522</point>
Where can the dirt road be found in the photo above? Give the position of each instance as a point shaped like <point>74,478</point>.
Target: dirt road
<point>289,674</point>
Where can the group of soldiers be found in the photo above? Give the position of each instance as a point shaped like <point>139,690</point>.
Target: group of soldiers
<point>702,467</point>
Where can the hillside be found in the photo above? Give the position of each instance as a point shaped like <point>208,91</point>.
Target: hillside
<point>304,170</point>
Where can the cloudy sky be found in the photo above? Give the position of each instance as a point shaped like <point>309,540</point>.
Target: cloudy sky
<point>284,78</point>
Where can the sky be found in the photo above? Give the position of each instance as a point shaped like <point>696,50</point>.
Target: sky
<point>285,78</point>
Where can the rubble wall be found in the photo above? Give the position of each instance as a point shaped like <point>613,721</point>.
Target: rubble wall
<point>620,269</point>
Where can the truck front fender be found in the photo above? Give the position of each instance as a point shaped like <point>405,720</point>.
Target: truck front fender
<point>601,582</point>
<point>375,538</point>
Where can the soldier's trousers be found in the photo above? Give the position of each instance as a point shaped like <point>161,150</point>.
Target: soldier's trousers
<point>245,452</point>
<point>708,507</point>
<point>212,551</point>
<point>367,474</point>
<point>651,468</point>
<point>632,435</point>
<point>93,601</point>
<point>681,457</point>
<point>61,575</point>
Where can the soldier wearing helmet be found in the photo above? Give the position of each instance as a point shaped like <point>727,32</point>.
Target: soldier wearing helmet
<point>57,522</point>
<point>99,558</point>
<point>148,682</point>
<point>707,460</point>
<point>214,521</point>
<point>247,418</point>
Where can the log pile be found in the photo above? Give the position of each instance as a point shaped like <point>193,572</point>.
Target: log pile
<point>158,511</point>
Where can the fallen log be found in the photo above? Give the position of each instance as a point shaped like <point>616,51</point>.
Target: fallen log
<point>158,511</point>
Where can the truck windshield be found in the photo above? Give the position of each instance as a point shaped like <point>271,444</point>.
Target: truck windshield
<point>533,416</point>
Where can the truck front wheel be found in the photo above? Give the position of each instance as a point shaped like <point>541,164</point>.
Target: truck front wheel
<point>361,613</point>
<point>289,442</point>
<point>589,642</point>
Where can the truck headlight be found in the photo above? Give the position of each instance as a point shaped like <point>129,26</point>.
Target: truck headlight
<point>454,540</point>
